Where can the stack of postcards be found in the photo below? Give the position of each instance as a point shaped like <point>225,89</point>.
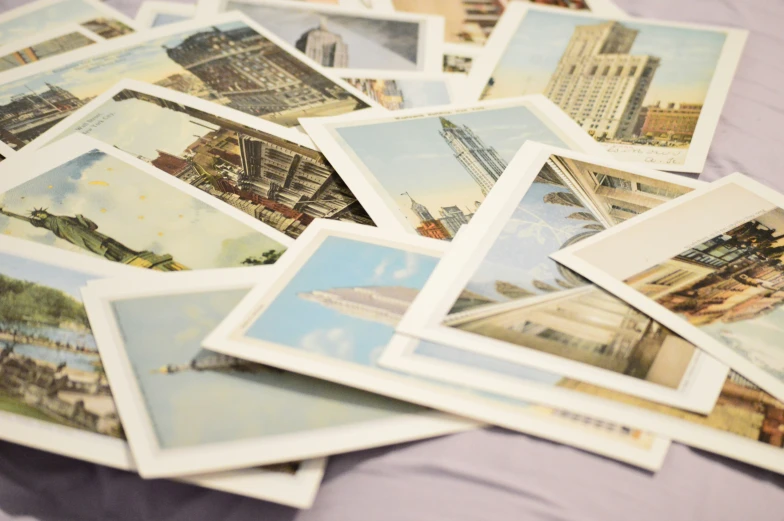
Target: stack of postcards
<point>370,250</point>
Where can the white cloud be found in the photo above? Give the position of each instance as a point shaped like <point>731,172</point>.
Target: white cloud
<point>379,271</point>
<point>335,342</point>
<point>410,269</point>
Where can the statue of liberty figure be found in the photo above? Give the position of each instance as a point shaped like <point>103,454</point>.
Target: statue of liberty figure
<point>82,232</point>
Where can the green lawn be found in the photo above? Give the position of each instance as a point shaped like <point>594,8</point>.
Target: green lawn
<point>16,406</point>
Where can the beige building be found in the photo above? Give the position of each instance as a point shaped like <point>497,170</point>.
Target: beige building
<point>668,277</point>
<point>598,83</point>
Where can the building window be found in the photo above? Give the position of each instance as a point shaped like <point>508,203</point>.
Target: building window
<point>633,70</point>
<point>619,70</point>
<point>672,279</point>
<point>593,70</point>
<point>572,68</point>
<point>613,182</point>
<point>606,71</point>
<point>655,190</point>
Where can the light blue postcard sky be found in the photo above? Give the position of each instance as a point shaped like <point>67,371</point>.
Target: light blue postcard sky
<point>688,57</point>
<point>411,156</point>
<point>339,263</point>
<point>193,408</point>
<point>134,208</point>
<point>521,252</point>
<point>47,19</point>
<point>372,44</point>
<point>145,62</point>
<point>66,280</point>
<point>423,93</point>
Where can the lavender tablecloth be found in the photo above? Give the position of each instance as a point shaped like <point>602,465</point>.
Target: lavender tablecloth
<point>486,474</point>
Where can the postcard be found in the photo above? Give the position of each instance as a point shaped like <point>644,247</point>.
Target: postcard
<point>426,171</point>
<point>34,18</point>
<point>54,394</point>
<point>156,14</point>
<point>344,38</point>
<point>186,410</point>
<point>709,268</point>
<point>42,46</point>
<point>646,101</point>
<point>496,291</point>
<point>85,196</point>
<point>472,22</point>
<point>745,424</point>
<point>330,310</point>
<point>411,90</point>
<point>274,82</point>
<point>269,172</point>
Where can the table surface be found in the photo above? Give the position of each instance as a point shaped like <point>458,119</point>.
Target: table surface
<point>488,473</point>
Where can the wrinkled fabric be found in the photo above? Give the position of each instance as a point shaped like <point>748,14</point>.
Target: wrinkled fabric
<point>491,473</point>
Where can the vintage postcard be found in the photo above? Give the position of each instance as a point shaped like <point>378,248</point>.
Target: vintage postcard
<point>186,410</point>
<point>35,18</point>
<point>444,160</point>
<point>54,393</point>
<point>627,82</point>
<point>269,172</point>
<point>745,423</point>
<point>497,292</point>
<point>344,38</point>
<point>471,22</point>
<point>708,267</point>
<point>85,196</point>
<point>47,45</point>
<point>412,90</point>
<point>226,59</point>
<point>333,323</point>
<point>155,14</point>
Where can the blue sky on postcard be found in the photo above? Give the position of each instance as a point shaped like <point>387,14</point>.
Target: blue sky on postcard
<point>411,156</point>
<point>688,56</point>
<point>191,408</point>
<point>423,93</point>
<point>134,208</point>
<point>301,324</point>
<point>66,280</point>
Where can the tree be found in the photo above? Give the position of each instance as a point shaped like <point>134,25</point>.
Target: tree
<point>268,257</point>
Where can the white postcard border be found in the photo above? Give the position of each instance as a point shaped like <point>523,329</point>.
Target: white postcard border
<point>150,9</point>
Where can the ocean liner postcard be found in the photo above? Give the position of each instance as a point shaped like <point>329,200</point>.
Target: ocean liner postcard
<point>407,90</point>
<point>744,425</point>
<point>331,310</point>
<point>498,293</point>
<point>226,59</point>
<point>54,393</point>
<point>344,38</point>
<point>84,196</point>
<point>188,410</point>
<point>269,172</point>
<point>427,171</point>
<point>98,19</point>
<point>627,82</point>
<point>708,267</point>
<point>155,14</point>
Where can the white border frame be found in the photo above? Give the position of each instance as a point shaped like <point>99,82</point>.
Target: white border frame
<point>296,490</point>
<point>660,250</point>
<point>32,7</point>
<point>454,83</point>
<point>134,40</point>
<point>716,95</point>
<point>700,385</point>
<point>30,166</point>
<point>150,9</point>
<point>155,461</point>
<point>229,338</point>
<point>429,41</point>
<point>399,356</point>
<point>377,202</point>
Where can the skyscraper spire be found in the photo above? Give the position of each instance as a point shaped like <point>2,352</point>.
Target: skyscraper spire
<point>420,210</point>
<point>482,162</point>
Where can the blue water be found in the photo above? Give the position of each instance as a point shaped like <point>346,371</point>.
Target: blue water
<point>84,338</point>
<point>81,361</point>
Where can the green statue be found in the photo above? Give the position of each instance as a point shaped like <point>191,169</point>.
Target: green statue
<point>82,232</point>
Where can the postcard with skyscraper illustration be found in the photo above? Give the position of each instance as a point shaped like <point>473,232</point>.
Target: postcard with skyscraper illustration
<point>226,59</point>
<point>708,267</point>
<point>444,160</point>
<point>344,38</point>
<point>497,292</point>
<point>54,393</point>
<point>85,196</point>
<point>271,173</point>
<point>187,410</point>
<point>346,317</point>
<point>744,425</point>
<point>98,19</point>
<point>470,22</point>
<point>407,90</point>
<point>626,81</point>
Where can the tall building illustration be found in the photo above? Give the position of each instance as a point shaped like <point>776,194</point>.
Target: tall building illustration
<point>482,162</point>
<point>598,83</point>
<point>324,47</point>
<point>420,210</point>
<point>385,305</point>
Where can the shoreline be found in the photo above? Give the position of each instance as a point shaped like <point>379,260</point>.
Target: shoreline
<point>47,343</point>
